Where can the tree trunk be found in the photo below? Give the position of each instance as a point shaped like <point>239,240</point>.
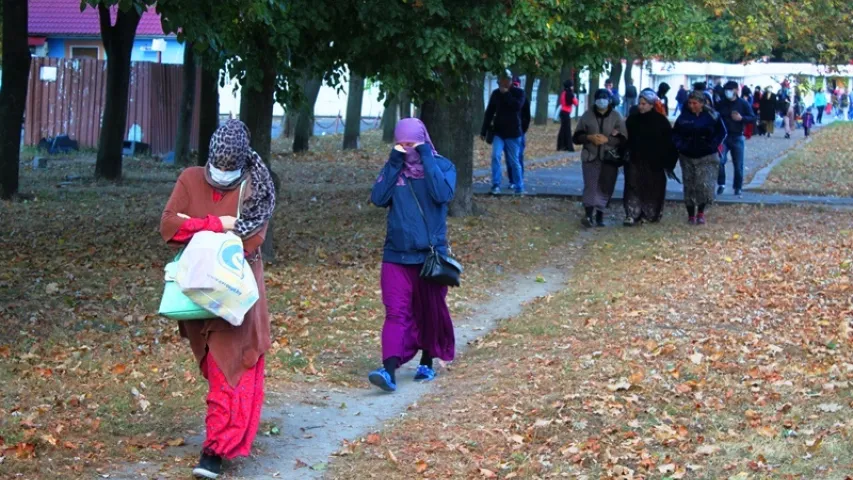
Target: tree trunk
<point>352,128</point>
<point>450,125</point>
<point>13,95</point>
<point>529,82</point>
<point>405,105</point>
<point>208,110</point>
<point>616,73</point>
<point>594,83</point>
<point>256,107</point>
<point>305,120</point>
<point>542,92</point>
<point>629,66</point>
<point>289,118</point>
<point>565,74</point>
<point>185,115</point>
<point>389,119</point>
<point>478,100</point>
<point>118,43</point>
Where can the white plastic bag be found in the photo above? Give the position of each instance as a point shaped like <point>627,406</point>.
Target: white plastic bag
<point>213,273</point>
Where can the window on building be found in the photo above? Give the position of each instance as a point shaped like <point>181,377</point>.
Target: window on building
<point>85,52</point>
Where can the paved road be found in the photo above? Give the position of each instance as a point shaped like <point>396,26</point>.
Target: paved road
<point>761,155</point>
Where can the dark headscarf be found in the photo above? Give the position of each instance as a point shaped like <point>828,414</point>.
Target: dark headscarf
<point>663,89</point>
<point>602,93</point>
<point>229,151</point>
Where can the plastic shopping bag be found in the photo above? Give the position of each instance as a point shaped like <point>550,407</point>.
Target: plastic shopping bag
<point>213,273</point>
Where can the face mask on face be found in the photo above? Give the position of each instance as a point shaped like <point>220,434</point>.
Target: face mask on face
<point>730,94</point>
<point>223,177</point>
<point>602,103</point>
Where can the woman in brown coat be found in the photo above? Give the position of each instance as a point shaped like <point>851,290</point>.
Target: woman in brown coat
<point>231,358</point>
<point>601,130</point>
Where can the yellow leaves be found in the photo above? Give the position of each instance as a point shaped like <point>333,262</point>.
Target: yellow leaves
<point>119,369</point>
<point>421,466</point>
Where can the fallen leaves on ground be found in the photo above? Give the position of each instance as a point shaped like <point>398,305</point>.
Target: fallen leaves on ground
<point>822,167</point>
<point>91,376</point>
<point>692,367</point>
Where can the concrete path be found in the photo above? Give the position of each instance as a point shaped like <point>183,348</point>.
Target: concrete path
<point>762,155</point>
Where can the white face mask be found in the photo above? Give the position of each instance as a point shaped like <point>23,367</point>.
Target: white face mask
<point>730,94</point>
<point>223,177</point>
<point>602,103</point>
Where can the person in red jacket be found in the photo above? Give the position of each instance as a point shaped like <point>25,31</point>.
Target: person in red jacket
<point>568,101</point>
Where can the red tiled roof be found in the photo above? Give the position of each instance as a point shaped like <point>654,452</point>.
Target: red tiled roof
<point>63,17</point>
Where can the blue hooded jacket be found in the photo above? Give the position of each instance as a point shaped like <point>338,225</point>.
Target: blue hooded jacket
<point>408,237</point>
<point>696,136</point>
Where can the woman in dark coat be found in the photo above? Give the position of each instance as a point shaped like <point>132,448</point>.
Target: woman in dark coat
<point>767,111</point>
<point>698,134</point>
<point>652,156</point>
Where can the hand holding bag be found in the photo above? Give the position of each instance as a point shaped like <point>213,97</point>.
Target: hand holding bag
<point>439,269</point>
<point>176,305</point>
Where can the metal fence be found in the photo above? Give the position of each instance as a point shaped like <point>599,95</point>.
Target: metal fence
<point>67,97</point>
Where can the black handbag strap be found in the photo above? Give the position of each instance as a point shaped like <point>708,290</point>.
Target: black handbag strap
<point>420,209</point>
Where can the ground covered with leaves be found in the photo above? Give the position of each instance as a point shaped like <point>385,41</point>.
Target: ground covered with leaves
<point>822,167</point>
<point>90,376</point>
<point>718,352</point>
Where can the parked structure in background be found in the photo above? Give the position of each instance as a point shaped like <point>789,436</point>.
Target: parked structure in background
<point>58,29</point>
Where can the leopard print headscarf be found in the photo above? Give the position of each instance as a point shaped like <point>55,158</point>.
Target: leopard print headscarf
<point>229,151</point>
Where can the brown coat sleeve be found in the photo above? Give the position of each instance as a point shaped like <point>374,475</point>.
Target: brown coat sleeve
<point>252,243</point>
<point>170,223</point>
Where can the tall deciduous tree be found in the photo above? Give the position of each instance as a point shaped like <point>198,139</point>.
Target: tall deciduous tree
<point>355,96</point>
<point>118,44</point>
<point>13,94</point>
<point>389,119</point>
<point>185,115</point>
<point>208,115</point>
<point>542,96</point>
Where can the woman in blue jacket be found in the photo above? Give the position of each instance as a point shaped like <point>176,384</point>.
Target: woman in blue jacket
<point>416,185</point>
<point>698,134</point>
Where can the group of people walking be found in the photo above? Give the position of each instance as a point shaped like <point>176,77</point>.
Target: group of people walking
<point>649,147</point>
<point>234,192</point>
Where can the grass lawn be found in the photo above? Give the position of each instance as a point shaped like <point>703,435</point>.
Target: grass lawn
<point>90,376</point>
<point>675,352</point>
<point>822,167</point>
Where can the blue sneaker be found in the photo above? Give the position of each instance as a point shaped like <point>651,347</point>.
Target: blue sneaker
<point>382,379</point>
<point>424,374</point>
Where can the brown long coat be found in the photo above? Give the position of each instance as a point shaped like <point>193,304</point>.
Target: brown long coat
<point>236,349</point>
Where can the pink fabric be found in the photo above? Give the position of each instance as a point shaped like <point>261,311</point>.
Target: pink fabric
<point>233,413</point>
<point>412,130</point>
<point>416,315</point>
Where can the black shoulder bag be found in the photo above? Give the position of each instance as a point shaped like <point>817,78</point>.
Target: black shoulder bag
<point>437,268</point>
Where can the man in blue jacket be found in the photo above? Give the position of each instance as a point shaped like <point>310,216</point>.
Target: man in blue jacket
<point>736,113</point>
<point>502,125</point>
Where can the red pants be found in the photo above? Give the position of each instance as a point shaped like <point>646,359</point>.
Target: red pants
<point>748,130</point>
<point>233,413</point>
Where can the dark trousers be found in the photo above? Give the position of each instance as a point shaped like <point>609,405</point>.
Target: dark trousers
<point>564,138</point>
<point>806,129</point>
<point>820,114</point>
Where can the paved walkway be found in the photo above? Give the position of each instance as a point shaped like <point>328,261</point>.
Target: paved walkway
<point>762,154</point>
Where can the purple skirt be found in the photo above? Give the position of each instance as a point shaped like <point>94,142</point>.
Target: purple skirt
<point>416,315</point>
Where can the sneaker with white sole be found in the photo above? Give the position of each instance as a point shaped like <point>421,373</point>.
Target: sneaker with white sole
<point>209,466</point>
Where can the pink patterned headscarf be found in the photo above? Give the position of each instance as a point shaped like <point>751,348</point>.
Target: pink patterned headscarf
<point>412,130</point>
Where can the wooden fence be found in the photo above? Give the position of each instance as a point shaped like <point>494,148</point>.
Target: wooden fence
<point>70,101</point>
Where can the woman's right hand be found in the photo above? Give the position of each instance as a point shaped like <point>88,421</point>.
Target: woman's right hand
<point>228,222</point>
